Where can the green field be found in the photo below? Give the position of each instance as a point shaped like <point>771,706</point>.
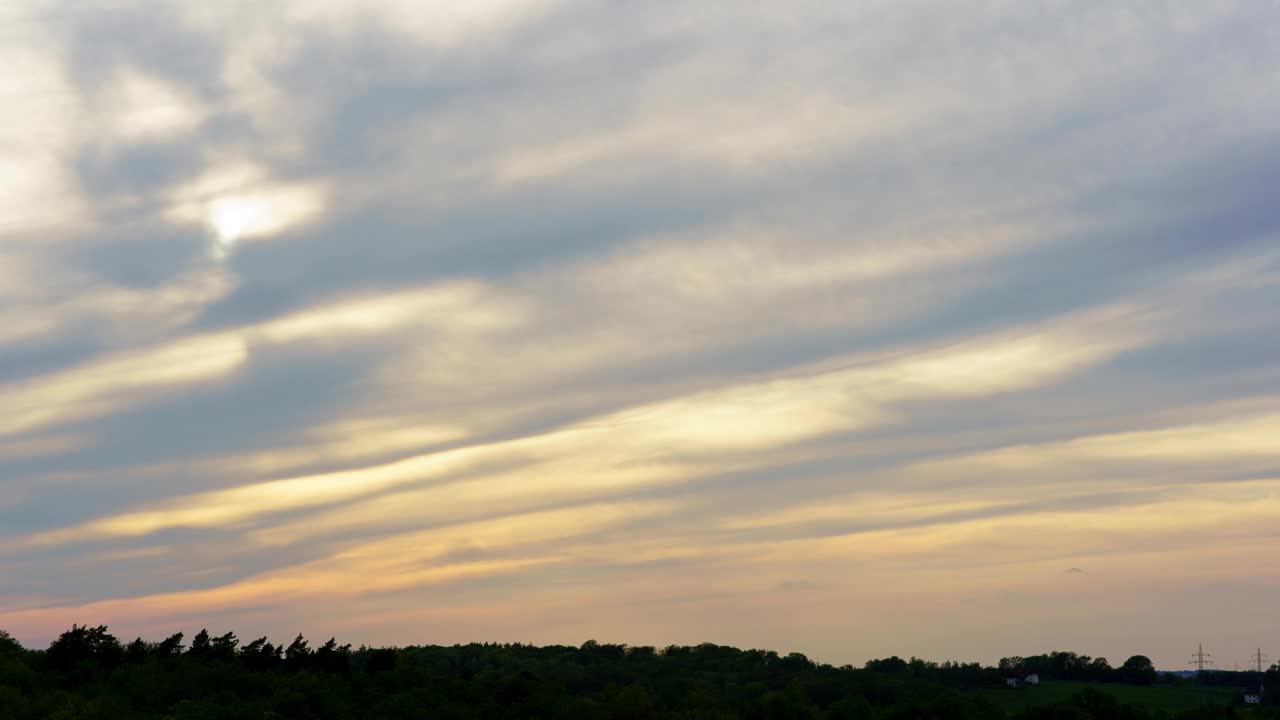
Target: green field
<point>1151,698</point>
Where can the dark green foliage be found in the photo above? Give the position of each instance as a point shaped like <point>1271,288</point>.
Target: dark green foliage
<point>85,649</point>
<point>201,645</point>
<point>136,651</point>
<point>87,673</point>
<point>1090,704</point>
<point>170,646</point>
<point>223,647</point>
<point>260,655</point>
<point>8,646</point>
<point>1138,670</point>
<point>298,655</point>
<point>1072,666</point>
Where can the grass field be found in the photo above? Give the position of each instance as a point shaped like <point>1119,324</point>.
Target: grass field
<point>1152,698</point>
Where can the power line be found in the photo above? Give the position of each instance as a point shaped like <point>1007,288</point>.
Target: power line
<point>1259,658</point>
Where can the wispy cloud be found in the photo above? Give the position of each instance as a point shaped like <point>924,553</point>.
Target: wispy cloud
<point>765,325</point>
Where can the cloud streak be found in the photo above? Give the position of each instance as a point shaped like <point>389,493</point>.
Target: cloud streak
<point>765,326</point>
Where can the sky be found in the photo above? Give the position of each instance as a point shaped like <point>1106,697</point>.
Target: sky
<point>856,329</point>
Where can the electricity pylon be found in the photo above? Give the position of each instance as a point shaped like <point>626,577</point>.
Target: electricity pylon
<point>1200,658</point>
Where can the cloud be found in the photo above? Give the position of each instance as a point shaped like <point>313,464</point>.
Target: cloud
<point>96,388</point>
<point>688,306</point>
<point>653,444</point>
<point>147,108</point>
<point>1236,445</point>
<point>38,189</point>
<point>405,560</point>
<point>237,203</point>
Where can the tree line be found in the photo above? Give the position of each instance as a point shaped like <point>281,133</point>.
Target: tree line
<point>1137,670</point>
<point>87,673</point>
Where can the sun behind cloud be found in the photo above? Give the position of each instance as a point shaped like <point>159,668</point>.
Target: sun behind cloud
<point>240,202</point>
<point>239,217</point>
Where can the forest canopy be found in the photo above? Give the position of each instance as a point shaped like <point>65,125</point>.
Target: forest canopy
<point>89,673</point>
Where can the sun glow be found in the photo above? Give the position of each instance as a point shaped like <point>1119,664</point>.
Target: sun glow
<point>233,217</point>
<point>238,217</point>
<point>240,202</point>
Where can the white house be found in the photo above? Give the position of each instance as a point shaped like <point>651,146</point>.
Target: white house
<point>1253,695</point>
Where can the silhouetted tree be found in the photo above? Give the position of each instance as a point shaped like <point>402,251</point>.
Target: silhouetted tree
<point>332,657</point>
<point>82,646</point>
<point>1101,670</point>
<point>82,676</point>
<point>9,646</point>
<point>201,645</point>
<point>890,665</point>
<point>298,655</point>
<point>1010,663</point>
<point>137,651</point>
<point>380,660</point>
<point>260,655</point>
<point>170,646</point>
<point>223,647</point>
<point>1138,670</point>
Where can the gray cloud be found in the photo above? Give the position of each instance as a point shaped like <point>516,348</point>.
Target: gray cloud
<point>649,210</point>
